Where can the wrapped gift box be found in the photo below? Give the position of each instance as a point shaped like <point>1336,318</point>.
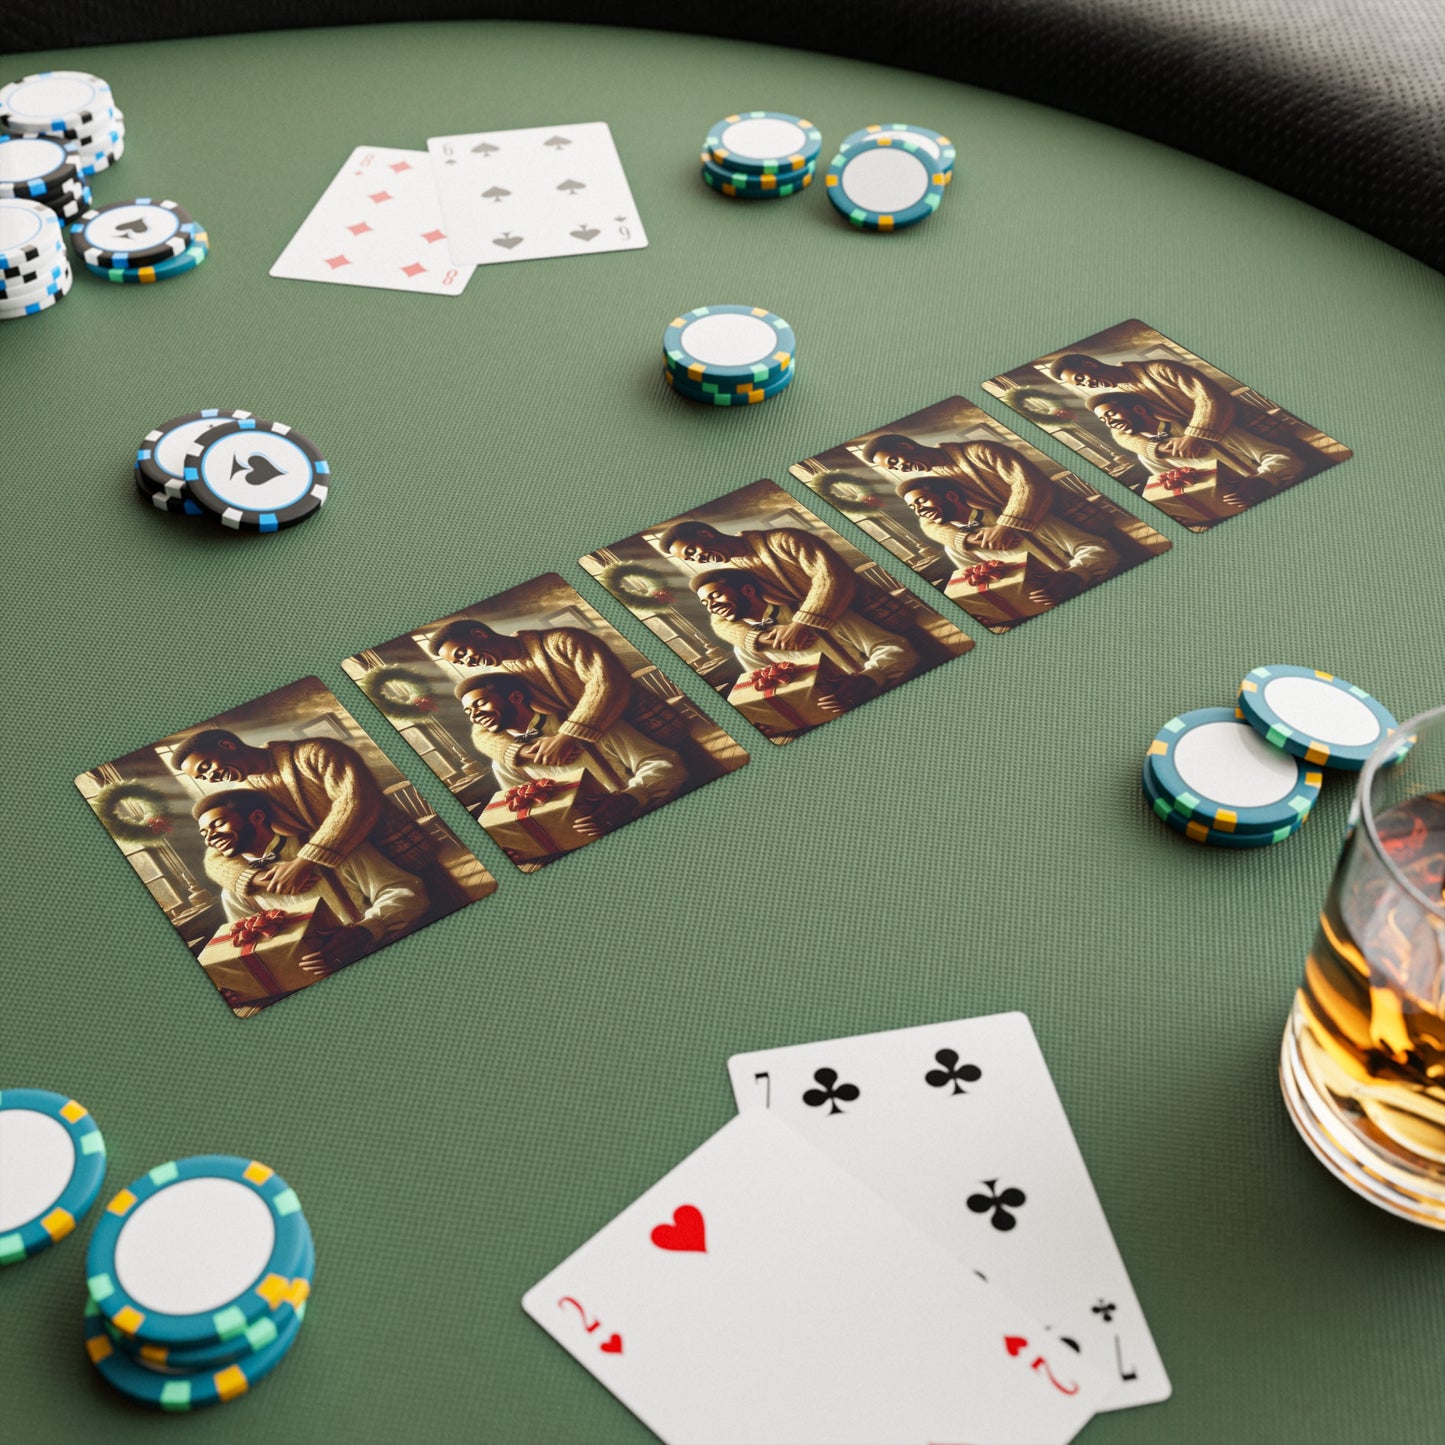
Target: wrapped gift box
<point>259,958</point>
<point>1191,495</point>
<point>779,699</point>
<point>996,591</point>
<point>538,820</point>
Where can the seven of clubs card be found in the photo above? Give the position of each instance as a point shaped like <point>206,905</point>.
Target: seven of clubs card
<point>959,1127</point>
<point>377,224</point>
<point>515,195</point>
<point>759,1295</point>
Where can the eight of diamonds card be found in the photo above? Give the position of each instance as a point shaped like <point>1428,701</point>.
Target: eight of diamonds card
<point>515,195</point>
<point>959,1127</point>
<point>378,224</point>
<point>758,1295</point>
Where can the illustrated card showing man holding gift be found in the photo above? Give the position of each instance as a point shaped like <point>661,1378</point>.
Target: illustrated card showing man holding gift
<point>1193,440</point>
<point>281,843</point>
<point>1003,531</point>
<point>551,729</point>
<point>774,609</point>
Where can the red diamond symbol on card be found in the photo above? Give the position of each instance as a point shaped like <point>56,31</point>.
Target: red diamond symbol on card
<point>433,236</point>
<point>337,262</point>
<point>359,229</point>
<point>414,270</point>
<point>380,196</point>
<point>400,166</point>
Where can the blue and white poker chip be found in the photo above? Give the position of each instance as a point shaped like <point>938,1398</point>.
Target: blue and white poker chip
<point>52,1164</point>
<point>1315,715</point>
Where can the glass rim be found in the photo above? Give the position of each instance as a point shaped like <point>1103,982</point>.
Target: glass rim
<point>1384,750</point>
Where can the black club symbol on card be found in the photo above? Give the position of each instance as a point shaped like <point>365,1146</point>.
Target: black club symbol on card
<point>1105,1310</point>
<point>829,1091</point>
<point>997,1203</point>
<point>952,1072</point>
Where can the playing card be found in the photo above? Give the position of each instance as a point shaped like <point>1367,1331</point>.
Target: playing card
<point>516,195</point>
<point>377,224</point>
<point>759,1295</point>
<point>959,1126</point>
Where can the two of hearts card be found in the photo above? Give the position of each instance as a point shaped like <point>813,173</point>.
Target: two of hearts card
<point>896,1239</point>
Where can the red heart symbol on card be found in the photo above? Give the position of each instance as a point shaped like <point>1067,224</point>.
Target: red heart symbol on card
<point>686,1232</point>
<point>1014,1343</point>
<point>612,1346</point>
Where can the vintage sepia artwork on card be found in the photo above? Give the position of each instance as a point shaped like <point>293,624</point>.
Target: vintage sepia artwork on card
<point>281,844</point>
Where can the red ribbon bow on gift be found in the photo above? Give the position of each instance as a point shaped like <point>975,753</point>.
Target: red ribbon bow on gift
<point>1174,482</point>
<point>528,795</point>
<point>247,933</point>
<point>980,574</point>
<point>775,675</point>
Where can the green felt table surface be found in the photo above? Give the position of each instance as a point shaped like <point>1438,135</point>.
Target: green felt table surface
<point>462,1110</point>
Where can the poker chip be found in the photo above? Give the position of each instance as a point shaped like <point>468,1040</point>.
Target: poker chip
<point>188,260</point>
<point>729,345</point>
<point>29,233</point>
<point>195,1251</point>
<point>712,395</point>
<point>739,184</point>
<point>1314,715</point>
<point>128,235</point>
<point>37,280</point>
<point>160,458</point>
<point>763,143</point>
<point>256,475</point>
<point>1217,771</point>
<point>938,146</point>
<point>54,100</point>
<point>53,1165</point>
<point>885,183</point>
<point>1198,832</point>
<point>167,1390</point>
<point>183,1360</point>
<point>35,166</point>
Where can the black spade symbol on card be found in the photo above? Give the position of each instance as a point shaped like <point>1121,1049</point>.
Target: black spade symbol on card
<point>258,469</point>
<point>572,187</point>
<point>557,142</point>
<point>585,233</point>
<point>507,240</point>
<point>494,193</point>
<point>137,227</point>
<point>485,148</point>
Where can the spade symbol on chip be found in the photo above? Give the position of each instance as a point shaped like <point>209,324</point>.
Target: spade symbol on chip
<point>259,469</point>
<point>136,227</point>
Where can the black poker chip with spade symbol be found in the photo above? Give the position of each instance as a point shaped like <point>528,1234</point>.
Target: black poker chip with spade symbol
<point>128,235</point>
<point>255,475</point>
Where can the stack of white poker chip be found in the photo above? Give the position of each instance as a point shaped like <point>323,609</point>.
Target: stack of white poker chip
<point>67,105</point>
<point>35,270</point>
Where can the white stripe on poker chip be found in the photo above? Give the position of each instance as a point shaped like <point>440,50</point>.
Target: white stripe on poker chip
<point>762,139</point>
<point>887,179</point>
<point>1316,709</point>
<point>39,1159</point>
<point>726,339</point>
<point>194,1246</point>
<point>1228,763</point>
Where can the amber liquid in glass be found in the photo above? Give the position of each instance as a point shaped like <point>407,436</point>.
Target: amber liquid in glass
<point>1371,1008</point>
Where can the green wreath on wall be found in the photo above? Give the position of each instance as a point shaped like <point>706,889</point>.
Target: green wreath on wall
<point>153,823</point>
<point>850,497</point>
<point>418,703</point>
<point>1036,404</point>
<point>641,588</point>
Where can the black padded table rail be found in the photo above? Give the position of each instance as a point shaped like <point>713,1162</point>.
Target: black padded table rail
<point>1338,102</point>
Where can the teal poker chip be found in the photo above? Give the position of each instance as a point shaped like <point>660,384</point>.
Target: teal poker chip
<point>201,1358</point>
<point>740,185</point>
<point>1219,771</point>
<point>196,1251</point>
<point>729,344</point>
<point>194,1391</point>
<point>52,1164</point>
<point>188,260</point>
<point>1198,832</point>
<point>1186,814</point>
<point>729,396</point>
<point>885,183</point>
<point>1314,715</point>
<point>937,145</point>
<point>687,383</point>
<point>763,142</point>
